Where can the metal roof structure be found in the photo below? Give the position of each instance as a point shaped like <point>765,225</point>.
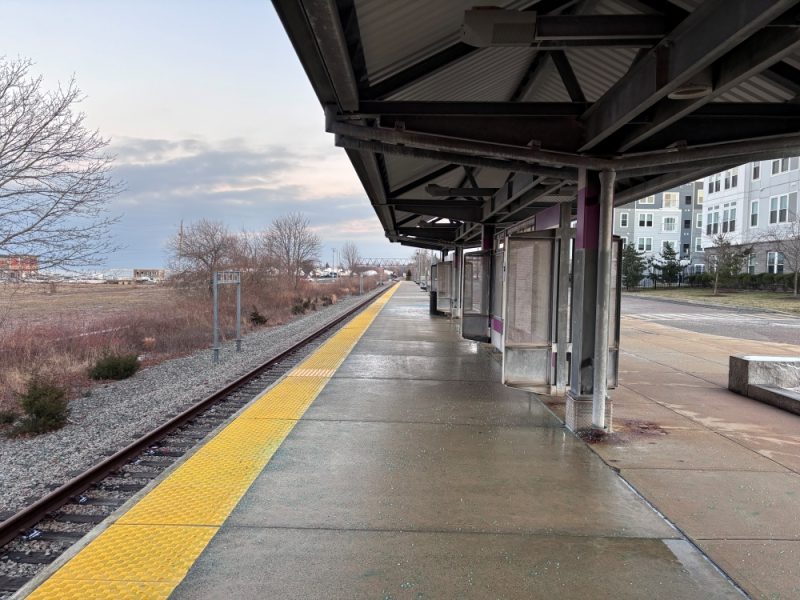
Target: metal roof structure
<point>456,115</point>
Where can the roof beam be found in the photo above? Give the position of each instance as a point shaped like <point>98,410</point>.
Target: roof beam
<point>458,210</point>
<point>707,34</point>
<point>438,190</point>
<point>469,147</point>
<point>423,108</point>
<point>440,60</point>
<point>456,158</point>
<point>444,233</point>
<point>422,180</point>
<point>499,27</point>
<point>568,76</point>
<point>323,16</point>
<point>665,182</point>
<point>750,58</point>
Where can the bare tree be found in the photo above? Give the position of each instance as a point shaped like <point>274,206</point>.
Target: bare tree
<point>292,244</point>
<point>55,179</point>
<point>726,259</point>
<point>201,248</point>
<point>350,256</point>
<point>785,238</point>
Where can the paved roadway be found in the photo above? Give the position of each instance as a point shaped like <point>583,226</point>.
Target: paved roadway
<point>746,325</point>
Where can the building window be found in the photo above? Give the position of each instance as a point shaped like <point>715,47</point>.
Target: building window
<point>624,239</point>
<point>779,209</point>
<point>687,200</point>
<point>687,223</point>
<point>698,244</point>
<point>623,219</point>
<point>728,218</point>
<point>685,250</point>
<point>700,195</point>
<point>712,227</point>
<point>774,262</point>
<point>699,222</point>
<point>756,171</point>
<point>727,180</point>
<point>717,180</point>
<point>648,200</point>
<point>669,224</point>
<point>710,186</point>
<point>754,213</point>
<point>782,165</point>
<point>751,263</point>
<point>644,244</point>
<point>699,268</point>
<point>646,220</point>
<point>671,199</point>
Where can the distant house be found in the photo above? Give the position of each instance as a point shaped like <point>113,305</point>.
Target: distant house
<point>18,266</point>
<point>149,274</point>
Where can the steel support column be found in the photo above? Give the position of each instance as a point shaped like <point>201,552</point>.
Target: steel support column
<point>600,363</point>
<point>562,332</point>
<point>584,297</point>
<point>458,279</point>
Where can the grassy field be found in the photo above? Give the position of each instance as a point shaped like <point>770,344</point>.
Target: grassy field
<point>42,303</point>
<point>55,333</point>
<point>780,301</point>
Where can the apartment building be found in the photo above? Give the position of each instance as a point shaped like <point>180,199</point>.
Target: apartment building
<point>673,217</point>
<point>747,203</point>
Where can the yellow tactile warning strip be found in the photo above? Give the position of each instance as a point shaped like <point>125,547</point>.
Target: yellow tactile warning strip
<point>149,549</point>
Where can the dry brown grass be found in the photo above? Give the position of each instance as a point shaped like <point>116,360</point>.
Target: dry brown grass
<point>58,336</point>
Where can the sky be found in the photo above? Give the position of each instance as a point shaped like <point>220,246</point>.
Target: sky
<point>209,114</point>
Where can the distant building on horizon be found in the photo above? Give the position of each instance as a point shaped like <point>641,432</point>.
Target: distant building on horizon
<point>18,266</point>
<point>152,274</point>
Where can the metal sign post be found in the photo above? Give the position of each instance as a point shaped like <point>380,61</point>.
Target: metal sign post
<point>223,278</point>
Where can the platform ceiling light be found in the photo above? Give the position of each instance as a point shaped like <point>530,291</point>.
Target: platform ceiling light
<point>698,86</point>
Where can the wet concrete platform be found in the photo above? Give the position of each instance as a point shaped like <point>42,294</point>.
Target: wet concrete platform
<point>415,474</point>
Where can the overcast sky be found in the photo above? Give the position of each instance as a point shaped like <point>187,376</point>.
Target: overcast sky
<point>209,112</point>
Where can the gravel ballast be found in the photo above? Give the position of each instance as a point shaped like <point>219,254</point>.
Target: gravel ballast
<point>115,414</point>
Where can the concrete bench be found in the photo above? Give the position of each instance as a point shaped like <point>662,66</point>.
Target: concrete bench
<point>768,379</point>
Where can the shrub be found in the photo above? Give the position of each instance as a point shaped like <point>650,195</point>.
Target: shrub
<point>297,309</point>
<point>256,318</point>
<point>115,366</point>
<point>45,407</point>
<point>7,417</point>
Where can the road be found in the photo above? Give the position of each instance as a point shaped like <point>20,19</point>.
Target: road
<point>740,324</point>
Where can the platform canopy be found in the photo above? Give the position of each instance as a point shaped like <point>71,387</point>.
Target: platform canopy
<point>455,114</point>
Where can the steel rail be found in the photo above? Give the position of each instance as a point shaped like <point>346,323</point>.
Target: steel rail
<point>33,513</point>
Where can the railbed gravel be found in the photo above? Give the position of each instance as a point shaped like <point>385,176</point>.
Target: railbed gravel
<point>114,414</point>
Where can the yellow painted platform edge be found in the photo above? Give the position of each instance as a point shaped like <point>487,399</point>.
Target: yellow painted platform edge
<point>44,575</point>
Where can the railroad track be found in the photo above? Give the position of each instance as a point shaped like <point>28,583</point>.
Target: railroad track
<point>39,533</point>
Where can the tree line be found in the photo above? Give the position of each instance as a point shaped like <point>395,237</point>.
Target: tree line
<point>288,246</point>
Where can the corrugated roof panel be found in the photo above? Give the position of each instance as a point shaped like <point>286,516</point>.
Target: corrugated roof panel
<point>613,7</point>
<point>548,87</point>
<point>597,69</point>
<point>401,169</point>
<point>395,35</point>
<point>451,179</point>
<point>756,89</point>
<point>488,75</point>
<point>793,59</point>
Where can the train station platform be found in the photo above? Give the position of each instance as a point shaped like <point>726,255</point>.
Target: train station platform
<point>391,464</point>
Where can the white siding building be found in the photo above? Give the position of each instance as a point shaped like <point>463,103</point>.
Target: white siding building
<point>748,201</point>
<point>673,217</point>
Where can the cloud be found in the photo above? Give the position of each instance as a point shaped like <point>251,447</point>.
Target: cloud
<point>246,187</point>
